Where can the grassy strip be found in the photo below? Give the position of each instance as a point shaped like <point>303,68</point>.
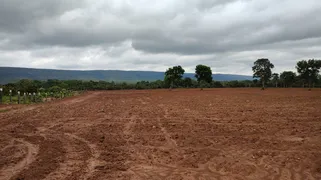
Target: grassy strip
<point>39,98</point>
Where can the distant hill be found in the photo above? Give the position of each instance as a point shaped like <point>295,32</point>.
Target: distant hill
<point>12,74</point>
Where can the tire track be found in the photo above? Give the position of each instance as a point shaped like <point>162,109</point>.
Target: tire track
<point>129,125</point>
<point>12,170</point>
<point>81,98</point>
<point>71,163</point>
<point>235,165</point>
<point>93,161</point>
<point>81,156</point>
<point>171,142</point>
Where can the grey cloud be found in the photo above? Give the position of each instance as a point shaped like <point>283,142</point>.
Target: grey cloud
<point>243,34</point>
<point>208,4</point>
<point>150,35</point>
<point>17,15</point>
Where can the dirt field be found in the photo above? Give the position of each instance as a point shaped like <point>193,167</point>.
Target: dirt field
<point>180,134</point>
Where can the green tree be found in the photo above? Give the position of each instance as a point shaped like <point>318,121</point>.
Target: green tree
<point>255,82</point>
<point>26,85</point>
<point>309,70</point>
<point>52,82</point>
<point>174,75</point>
<point>288,78</point>
<point>275,79</point>
<point>188,82</point>
<point>262,69</point>
<point>157,84</point>
<point>55,89</point>
<point>203,73</point>
<point>195,83</point>
<point>217,84</point>
<point>204,84</point>
<point>248,83</point>
<point>235,84</point>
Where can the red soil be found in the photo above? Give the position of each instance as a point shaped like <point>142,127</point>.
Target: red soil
<point>161,134</point>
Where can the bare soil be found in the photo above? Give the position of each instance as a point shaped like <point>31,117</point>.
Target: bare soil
<point>160,134</point>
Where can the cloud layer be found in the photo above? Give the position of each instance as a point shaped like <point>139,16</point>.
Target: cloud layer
<point>228,35</point>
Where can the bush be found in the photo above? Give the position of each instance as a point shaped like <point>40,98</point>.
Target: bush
<point>204,84</point>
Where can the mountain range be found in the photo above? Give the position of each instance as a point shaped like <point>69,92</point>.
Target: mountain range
<point>13,74</point>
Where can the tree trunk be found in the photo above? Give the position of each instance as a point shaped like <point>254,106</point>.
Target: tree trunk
<point>171,86</point>
<point>276,84</point>
<point>263,85</point>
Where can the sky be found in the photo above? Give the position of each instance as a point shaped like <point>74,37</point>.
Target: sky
<point>227,35</point>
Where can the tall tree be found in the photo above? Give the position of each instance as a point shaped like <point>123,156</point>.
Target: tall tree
<point>288,78</point>
<point>309,70</point>
<point>275,79</point>
<point>174,75</point>
<point>262,69</point>
<point>203,73</point>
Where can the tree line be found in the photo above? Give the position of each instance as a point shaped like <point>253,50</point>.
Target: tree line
<point>307,76</point>
<point>57,86</point>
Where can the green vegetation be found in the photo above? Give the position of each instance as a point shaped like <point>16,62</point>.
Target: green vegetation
<point>309,71</point>
<point>33,91</point>
<point>262,69</point>
<point>287,78</point>
<point>275,79</point>
<point>203,73</point>
<point>173,76</point>
<point>38,97</point>
<point>308,74</point>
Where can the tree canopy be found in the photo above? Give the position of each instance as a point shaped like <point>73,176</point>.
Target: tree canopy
<point>309,70</point>
<point>203,73</point>
<point>262,69</point>
<point>174,75</point>
<point>287,78</point>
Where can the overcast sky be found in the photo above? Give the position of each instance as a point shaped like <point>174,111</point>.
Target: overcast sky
<point>228,35</point>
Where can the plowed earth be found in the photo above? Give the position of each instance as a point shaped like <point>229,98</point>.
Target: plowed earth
<point>161,134</point>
